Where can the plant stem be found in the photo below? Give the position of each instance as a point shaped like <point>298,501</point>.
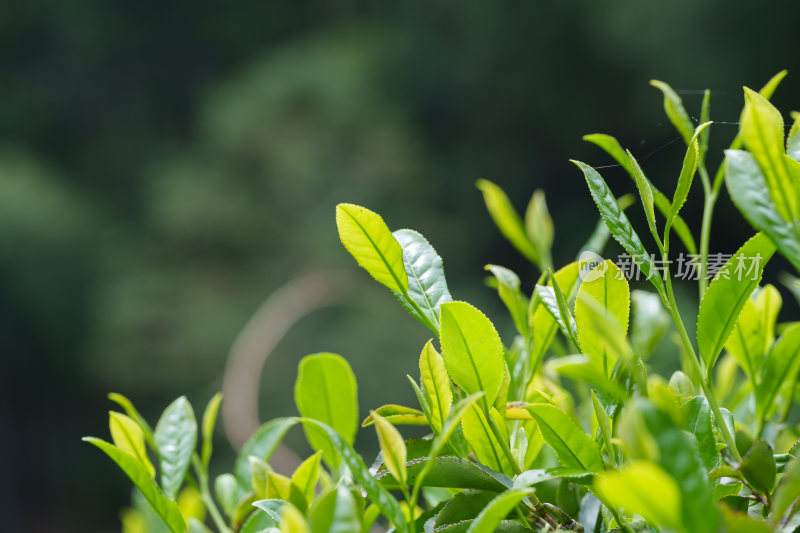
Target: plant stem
<point>705,384</point>
<point>705,235</point>
<point>205,494</point>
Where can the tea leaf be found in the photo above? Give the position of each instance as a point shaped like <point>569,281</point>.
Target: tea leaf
<point>375,491</point>
<point>398,415</point>
<point>749,192</point>
<point>369,241</point>
<point>542,323</point>
<point>129,438</point>
<point>699,423</point>
<point>572,446</point>
<point>507,220</point>
<point>463,506</point>
<point>209,421</point>
<point>131,411</point>
<point>472,350</point>
<point>619,225</point>
<point>793,140</point>
<point>780,365</point>
<point>336,512</point>
<point>326,390</point>
<point>483,441</point>
<point>225,489</point>
<point>648,323</point>
<point>607,286</point>
<point>673,106</point>
<point>436,383</point>
<point>392,447</point>
<point>645,193</point>
<point>727,294</point>
<point>644,488</point>
<point>292,521</point>
<point>306,476</point>
<point>787,492</point>
<point>508,290</point>
<point>261,444</point>
<point>686,177</point>
<point>538,224</point>
<point>758,467</point>
<point>604,424</point>
<point>427,286</point>
<point>449,472</point>
<point>164,508</point>
<point>763,135</point>
<point>176,438</point>
<point>491,515</point>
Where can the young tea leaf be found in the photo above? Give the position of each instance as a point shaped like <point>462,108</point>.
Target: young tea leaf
<point>508,290</point>
<point>781,365</point>
<point>209,421</point>
<point>607,286</point>
<point>326,390</point>
<point>673,106</point>
<point>392,447</point>
<point>436,384</point>
<point>727,294</point>
<point>164,508</point>
<point>572,446</point>
<point>427,287</point>
<point>472,350</point>
<point>306,475</point>
<point>507,220</point>
<point>369,241</point>
<point>619,225</point>
<point>176,438</point>
<point>129,437</point>
<point>482,440</point>
<point>262,444</point>
<point>491,515</point>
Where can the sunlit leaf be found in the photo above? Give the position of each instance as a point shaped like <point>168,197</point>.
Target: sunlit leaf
<point>436,384</point>
<point>129,437</point>
<point>176,439</point>
<point>572,446</point>
<point>507,219</point>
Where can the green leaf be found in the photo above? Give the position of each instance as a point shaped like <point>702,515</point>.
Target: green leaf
<point>465,505</point>
<point>482,440</point>
<point>306,475</point>
<point>664,205</point>
<point>566,322</point>
<point>749,192</point>
<point>498,508</point>
<point>699,423</point>
<point>226,491</point>
<point>336,512</point>
<point>758,467</point>
<point>508,290</point>
<point>619,225</point>
<point>507,220</point>
<point>398,415</point>
<point>739,522</point>
<point>293,521</point>
<point>781,365</point>
<point>793,140</point>
<point>606,285</point>
<point>272,508</point>
<point>648,324</point>
<point>436,384</point>
<point>540,475</point>
<point>326,390</point>
<point>392,447</point>
<point>472,350</point>
<point>763,135</point>
<point>427,286</point>
<point>375,491</point>
<point>260,523</point>
<point>449,472</point>
<point>673,106</point>
<point>209,421</point>
<point>131,411</point>
<point>261,445</point>
<point>604,424</point>
<point>582,367</point>
<point>129,438</point>
<point>539,225</point>
<point>176,439</point>
<point>572,446</point>
<point>644,488</point>
<point>727,294</point>
<point>787,492</point>
<point>686,176</point>
<point>646,194</point>
<point>368,239</point>
<point>164,508</point>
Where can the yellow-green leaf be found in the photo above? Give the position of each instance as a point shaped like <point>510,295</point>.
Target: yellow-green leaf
<point>573,447</point>
<point>129,437</point>
<point>644,488</point>
<point>368,239</point>
<point>392,446</point>
<point>306,475</point>
<point>436,384</point>
<point>209,421</point>
<point>507,220</point>
<point>482,440</point>
<point>326,390</point>
<point>763,135</point>
<point>607,286</point>
<point>673,106</point>
<point>472,350</point>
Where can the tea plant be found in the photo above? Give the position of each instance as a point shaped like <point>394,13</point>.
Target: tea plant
<point>565,426</point>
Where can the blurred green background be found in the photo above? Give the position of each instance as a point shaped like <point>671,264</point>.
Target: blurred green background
<point>164,167</point>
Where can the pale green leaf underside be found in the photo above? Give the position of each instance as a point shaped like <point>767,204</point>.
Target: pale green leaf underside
<point>176,439</point>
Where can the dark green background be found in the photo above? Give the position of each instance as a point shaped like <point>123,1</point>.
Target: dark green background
<point>165,166</point>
